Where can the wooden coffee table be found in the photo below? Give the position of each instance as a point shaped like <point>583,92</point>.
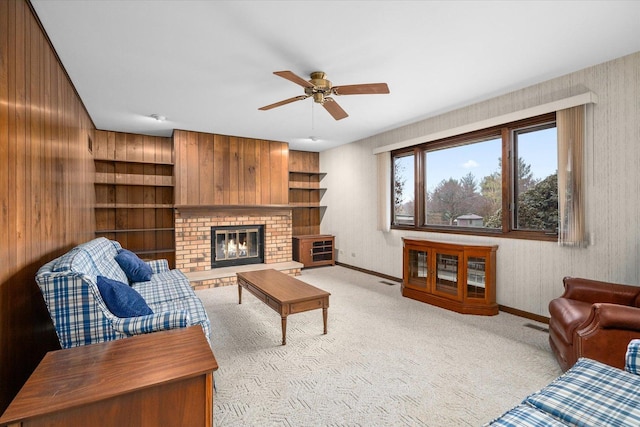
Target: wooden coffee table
<point>283,293</point>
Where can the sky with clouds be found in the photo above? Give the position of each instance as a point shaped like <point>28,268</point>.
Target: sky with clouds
<point>538,149</point>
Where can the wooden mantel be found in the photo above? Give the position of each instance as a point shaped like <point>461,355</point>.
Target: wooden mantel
<point>232,207</point>
<point>189,210</point>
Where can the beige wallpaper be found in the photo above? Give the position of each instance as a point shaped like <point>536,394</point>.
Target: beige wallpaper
<point>529,273</point>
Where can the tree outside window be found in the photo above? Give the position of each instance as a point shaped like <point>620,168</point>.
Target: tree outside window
<point>455,195</point>
<point>403,189</point>
<point>536,198</point>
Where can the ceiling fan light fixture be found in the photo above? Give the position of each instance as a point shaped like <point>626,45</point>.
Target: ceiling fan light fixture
<point>158,117</point>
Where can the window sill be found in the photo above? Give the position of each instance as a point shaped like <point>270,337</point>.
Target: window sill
<point>523,235</point>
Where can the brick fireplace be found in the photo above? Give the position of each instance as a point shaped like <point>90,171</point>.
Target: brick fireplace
<point>193,238</point>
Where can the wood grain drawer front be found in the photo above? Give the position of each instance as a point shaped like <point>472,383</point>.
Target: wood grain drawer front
<point>306,306</point>
<point>273,304</point>
<point>172,404</point>
<point>257,292</point>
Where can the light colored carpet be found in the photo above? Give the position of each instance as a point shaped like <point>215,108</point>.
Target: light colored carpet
<point>386,361</point>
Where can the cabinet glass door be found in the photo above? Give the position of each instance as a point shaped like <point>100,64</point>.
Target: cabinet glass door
<point>418,269</point>
<point>447,273</point>
<point>476,277</point>
<point>322,250</point>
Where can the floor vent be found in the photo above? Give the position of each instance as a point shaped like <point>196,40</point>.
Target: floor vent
<point>387,283</point>
<point>536,327</point>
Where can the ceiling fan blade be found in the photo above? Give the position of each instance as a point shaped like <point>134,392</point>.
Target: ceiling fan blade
<point>334,109</point>
<point>362,89</point>
<point>285,102</point>
<point>293,77</point>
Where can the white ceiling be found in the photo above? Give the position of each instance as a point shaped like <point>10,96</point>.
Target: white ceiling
<point>207,65</point>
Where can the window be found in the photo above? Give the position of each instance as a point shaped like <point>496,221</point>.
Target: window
<point>463,184</point>
<point>535,168</point>
<point>403,189</point>
<point>500,181</point>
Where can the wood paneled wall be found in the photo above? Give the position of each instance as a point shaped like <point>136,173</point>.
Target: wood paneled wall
<point>46,186</point>
<point>304,161</point>
<point>227,170</point>
<point>131,147</point>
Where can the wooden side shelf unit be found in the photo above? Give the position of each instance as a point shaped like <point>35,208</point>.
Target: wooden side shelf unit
<point>164,378</point>
<point>314,250</point>
<point>458,277</point>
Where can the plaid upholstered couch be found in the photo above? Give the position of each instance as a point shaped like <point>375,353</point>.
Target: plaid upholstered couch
<point>589,394</point>
<point>69,285</point>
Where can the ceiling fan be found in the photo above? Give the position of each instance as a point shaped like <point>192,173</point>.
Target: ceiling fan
<point>320,89</point>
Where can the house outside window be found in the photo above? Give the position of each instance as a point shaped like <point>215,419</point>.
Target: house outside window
<point>499,181</point>
<point>463,181</point>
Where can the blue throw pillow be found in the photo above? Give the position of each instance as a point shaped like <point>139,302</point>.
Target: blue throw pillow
<point>121,299</point>
<point>136,269</point>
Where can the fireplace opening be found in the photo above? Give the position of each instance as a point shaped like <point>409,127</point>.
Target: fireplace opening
<point>237,245</point>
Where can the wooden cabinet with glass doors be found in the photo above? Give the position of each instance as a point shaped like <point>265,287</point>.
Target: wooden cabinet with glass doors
<point>458,277</point>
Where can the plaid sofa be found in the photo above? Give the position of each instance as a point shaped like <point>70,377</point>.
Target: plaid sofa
<point>80,315</point>
<point>589,394</point>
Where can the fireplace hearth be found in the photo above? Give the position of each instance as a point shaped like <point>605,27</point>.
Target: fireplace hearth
<point>237,245</point>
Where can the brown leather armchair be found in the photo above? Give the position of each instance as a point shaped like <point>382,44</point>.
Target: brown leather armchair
<point>593,319</point>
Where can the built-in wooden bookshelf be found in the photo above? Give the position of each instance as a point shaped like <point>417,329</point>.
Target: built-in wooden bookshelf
<point>305,192</point>
<point>134,186</point>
